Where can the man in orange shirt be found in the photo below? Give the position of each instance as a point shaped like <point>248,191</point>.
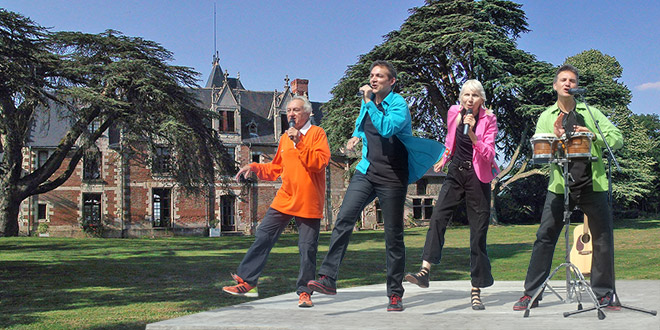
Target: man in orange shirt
<point>302,156</point>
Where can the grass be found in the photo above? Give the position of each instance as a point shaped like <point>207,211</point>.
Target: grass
<point>61,283</point>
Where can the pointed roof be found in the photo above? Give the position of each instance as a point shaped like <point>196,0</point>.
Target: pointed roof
<point>217,78</point>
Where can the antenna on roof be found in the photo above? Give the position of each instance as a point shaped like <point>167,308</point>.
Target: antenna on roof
<point>215,48</point>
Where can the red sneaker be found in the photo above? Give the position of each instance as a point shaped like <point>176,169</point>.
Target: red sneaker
<point>396,304</point>
<point>241,289</point>
<point>523,302</point>
<point>305,300</point>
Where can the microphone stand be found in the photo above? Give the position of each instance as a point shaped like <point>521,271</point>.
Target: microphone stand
<point>610,159</point>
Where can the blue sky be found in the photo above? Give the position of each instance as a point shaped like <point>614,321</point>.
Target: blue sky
<point>317,40</point>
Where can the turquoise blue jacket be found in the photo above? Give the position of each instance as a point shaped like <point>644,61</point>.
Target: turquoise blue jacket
<point>395,121</point>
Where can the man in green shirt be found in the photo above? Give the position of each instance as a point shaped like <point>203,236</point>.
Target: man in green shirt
<point>588,187</point>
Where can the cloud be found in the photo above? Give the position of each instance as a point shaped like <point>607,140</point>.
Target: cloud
<point>649,85</point>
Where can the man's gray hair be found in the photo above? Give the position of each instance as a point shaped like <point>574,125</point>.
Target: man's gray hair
<point>307,106</point>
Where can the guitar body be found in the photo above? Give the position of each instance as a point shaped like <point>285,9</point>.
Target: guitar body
<point>582,250</point>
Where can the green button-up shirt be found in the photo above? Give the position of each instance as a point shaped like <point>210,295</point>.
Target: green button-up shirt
<point>612,134</point>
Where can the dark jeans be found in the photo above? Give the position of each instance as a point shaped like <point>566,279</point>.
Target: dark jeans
<point>595,206</point>
<point>359,193</point>
<point>267,234</point>
<point>461,184</point>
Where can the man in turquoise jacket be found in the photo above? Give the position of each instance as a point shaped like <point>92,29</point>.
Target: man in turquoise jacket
<point>588,187</point>
<point>391,158</point>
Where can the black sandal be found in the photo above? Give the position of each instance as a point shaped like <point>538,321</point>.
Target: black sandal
<point>421,278</point>
<point>477,305</point>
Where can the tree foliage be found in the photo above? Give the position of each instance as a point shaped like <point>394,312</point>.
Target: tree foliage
<point>109,79</point>
<point>650,202</point>
<point>440,46</point>
<point>444,43</point>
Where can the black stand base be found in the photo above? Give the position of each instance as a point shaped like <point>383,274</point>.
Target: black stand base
<point>575,285</point>
<point>616,304</point>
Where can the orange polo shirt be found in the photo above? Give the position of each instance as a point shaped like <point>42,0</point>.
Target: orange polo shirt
<point>302,168</point>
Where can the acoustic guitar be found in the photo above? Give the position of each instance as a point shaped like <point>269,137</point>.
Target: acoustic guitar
<point>582,250</point>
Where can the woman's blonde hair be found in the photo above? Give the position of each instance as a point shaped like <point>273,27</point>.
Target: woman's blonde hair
<point>473,84</point>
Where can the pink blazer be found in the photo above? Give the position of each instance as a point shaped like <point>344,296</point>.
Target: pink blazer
<point>483,154</point>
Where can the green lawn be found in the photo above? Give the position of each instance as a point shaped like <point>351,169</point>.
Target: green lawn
<point>58,283</point>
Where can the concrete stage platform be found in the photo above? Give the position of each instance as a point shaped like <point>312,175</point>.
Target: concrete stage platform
<point>445,305</point>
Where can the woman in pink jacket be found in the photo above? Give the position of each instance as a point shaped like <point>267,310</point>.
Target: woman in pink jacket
<point>471,132</point>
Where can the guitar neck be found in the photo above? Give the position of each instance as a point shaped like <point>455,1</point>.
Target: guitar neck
<point>585,228</point>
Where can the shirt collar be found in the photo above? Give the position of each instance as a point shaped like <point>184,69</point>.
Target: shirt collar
<point>578,106</point>
<point>388,98</point>
<point>306,127</point>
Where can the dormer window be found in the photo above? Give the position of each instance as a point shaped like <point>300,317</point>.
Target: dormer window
<point>226,121</point>
<point>252,128</point>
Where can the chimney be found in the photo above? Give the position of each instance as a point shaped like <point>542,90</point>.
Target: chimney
<point>299,87</point>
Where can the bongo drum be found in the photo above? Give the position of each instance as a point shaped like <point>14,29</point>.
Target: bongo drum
<point>544,146</point>
<point>579,145</point>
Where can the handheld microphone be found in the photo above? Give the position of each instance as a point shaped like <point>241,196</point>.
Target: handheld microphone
<point>577,91</point>
<point>292,123</point>
<point>466,126</point>
<point>360,93</point>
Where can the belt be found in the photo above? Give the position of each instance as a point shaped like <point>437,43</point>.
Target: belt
<point>464,165</point>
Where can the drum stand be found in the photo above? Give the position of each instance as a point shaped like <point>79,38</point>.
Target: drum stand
<point>575,282</point>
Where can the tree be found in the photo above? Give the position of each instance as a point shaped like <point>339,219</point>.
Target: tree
<point>440,46</point>
<point>651,122</point>
<point>107,78</point>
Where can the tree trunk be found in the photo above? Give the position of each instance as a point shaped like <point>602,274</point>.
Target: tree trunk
<point>8,213</point>
<point>494,190</point>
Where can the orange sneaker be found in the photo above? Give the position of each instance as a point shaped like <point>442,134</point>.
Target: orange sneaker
<point>241,289</point>
<point>305,300</point>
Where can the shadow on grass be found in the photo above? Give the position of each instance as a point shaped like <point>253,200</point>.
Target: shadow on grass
<point>641,223</point>
<point>96,274</point>
<point>167,278</point>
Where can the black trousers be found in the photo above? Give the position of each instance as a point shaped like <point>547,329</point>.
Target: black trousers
<point>595,206</point>
<point>359,193</point>
<point>461,184</point>
<point>268,232</point>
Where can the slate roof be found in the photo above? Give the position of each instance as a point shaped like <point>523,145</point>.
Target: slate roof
<point>255,107</point>
<point>48,128</point>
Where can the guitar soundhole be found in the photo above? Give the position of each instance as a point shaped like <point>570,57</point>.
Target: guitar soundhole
<point>585,238</point>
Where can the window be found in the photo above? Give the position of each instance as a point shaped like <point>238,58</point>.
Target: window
<point>226,123</point>
<point>256,157</point>
<point>421,186</point>
<point>91,209</point>
<point>114,135</point>
<point>422,208</point>
<point>162,162</point>
<point>252,128</point>
<point>42,157</point>
<point>41,211</point>
<point>94,125</point>
<point>92,166</point>
<point>161,207</point>
<point>227,204</point>
<point>285,122</point>
<point>231,153</point>
<point>379,213</point>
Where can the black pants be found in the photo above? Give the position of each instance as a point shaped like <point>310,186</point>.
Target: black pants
<point>595,206</point>
<point>268,232</point>
<point>359,193</point>
<point>462,183</point>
